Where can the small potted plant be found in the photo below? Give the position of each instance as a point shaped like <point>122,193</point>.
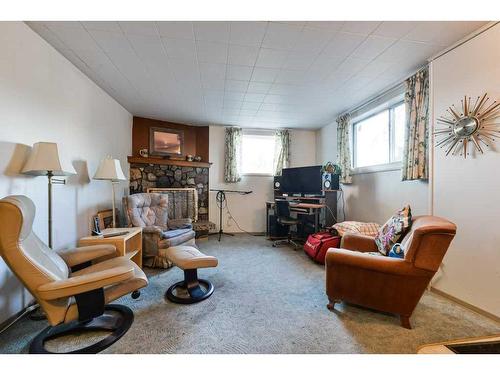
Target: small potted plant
<point>329,167</point>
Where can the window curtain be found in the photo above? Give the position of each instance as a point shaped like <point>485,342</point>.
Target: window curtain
<point>281,151</point>
<point>232,154</point>
<point>343,149</point>
<point>415,157</point>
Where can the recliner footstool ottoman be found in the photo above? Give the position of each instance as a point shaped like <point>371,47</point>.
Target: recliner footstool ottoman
<point>191,289</point>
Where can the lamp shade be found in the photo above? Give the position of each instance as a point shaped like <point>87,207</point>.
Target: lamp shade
<point>44,157</point>
<point>109,169</point>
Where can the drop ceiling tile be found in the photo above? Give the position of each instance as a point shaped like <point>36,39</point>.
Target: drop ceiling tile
<point>180,49</point>
<point>271,58</point>
<point>138,28</point>
<point>247,33</point>
<point>231,104</point>
<point>284,89</point>
<point>248,112</point>
<point>291,76</point>
<point>272,98</point>
<point>102,25</point>
<point>360,27</point>
<point>176,29</point>
<point>326,25</point>
<point>238,72</point>
<point>212,31</point>
<point>232,95</point>
<point>211,52</point>
<point>75,38</point>
<point>441,33</point>
<point>312,40</point>
<point>298,60</point>
<point>242,55</point>
<point>257,98</point>
<point>372,47</point>
<point>394,29</point>
<point>258,87</point>
<point>250,105</point>
<point>264,74</point>
<point>343,44</point>
<point>281,36</point>
<point>236,86</point>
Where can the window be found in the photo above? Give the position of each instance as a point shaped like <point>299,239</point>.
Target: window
<point>378,139</point>
<point>257,153</point>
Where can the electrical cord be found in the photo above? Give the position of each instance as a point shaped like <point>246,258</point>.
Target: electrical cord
<point>26,311</point>
<point>226,206</point>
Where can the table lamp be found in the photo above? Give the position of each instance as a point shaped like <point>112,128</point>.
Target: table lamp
<point>111,170</point>
<point>44,161</point>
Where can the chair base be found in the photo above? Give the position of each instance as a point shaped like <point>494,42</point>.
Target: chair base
<point>196,290</point>
<point>287,241</point>
<point>118,326</point>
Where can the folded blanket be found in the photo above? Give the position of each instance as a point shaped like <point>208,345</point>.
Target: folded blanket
<point>369,229</point>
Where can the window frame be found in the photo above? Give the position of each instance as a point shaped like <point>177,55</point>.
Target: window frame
<point>261,132</point>
<point>390,105</point>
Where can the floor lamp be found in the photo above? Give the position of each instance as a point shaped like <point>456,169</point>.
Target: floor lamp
<point>111,170</point>
<point>44,161</point>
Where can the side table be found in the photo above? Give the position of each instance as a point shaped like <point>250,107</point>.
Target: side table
<point>129,244</point>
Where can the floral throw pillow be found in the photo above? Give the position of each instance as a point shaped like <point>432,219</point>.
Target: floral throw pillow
<point>393,230</point>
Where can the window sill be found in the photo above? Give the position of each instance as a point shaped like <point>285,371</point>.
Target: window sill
<point>377,168</point>
<point>256,175</point>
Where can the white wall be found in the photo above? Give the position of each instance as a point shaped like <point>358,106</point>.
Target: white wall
<point>249,210</point>
<point>467,191</point>
<point>373,197</point>
<point>43,97</point>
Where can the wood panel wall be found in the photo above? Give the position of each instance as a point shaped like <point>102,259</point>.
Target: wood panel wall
<point>195,137</point>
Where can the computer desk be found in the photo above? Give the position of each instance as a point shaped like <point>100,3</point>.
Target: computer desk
<point>299,208</point>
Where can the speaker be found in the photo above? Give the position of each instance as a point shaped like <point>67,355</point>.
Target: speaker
<point>330,181</point>
<point>277,185</point>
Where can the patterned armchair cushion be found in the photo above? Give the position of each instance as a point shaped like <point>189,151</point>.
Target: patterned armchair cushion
<point>146,209</point>
<point>393,230</point>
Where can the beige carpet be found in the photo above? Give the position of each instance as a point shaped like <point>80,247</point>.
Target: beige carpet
<point>268,300</point>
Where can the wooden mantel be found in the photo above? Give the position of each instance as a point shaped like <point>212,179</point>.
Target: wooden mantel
<point>179,163</point>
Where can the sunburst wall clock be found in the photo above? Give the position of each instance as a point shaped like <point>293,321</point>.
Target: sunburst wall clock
<point>475,125</point>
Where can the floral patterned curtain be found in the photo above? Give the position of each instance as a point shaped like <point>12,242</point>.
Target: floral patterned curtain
<point>232,154</point>
<point>281,151</point>
<point>415,156</point>
<point>343,149</point>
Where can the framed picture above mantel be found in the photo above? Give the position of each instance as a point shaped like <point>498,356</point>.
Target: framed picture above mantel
<point>166,142</point>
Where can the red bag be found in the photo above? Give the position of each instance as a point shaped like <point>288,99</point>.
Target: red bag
<point>317,245</point>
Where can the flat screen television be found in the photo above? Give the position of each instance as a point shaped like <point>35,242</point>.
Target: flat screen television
<point>306,180</point>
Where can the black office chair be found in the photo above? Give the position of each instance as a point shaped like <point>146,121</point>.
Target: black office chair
<point>282,211</point>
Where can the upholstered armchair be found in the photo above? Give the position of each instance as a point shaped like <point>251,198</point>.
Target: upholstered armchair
<point>356,274</point>
<point>159,232</point>
<point>73,287</point>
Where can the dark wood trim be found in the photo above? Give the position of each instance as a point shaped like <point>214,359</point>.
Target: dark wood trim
<point>180,163</point>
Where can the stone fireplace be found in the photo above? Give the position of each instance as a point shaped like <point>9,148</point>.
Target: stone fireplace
<point>145,175</point>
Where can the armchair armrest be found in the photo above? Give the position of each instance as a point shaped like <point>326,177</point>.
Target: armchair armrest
<point>84,283</point>
<point>358,242</point>
<point>179,223</point>
<point>79,255</point>
<point>382,264</point>
<point>153,229</point>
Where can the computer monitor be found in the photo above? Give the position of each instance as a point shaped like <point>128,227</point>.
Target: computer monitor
<point>305,180</point>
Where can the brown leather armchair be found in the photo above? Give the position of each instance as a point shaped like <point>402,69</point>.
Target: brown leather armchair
<point>387,284</point>
<point>73,287</point>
